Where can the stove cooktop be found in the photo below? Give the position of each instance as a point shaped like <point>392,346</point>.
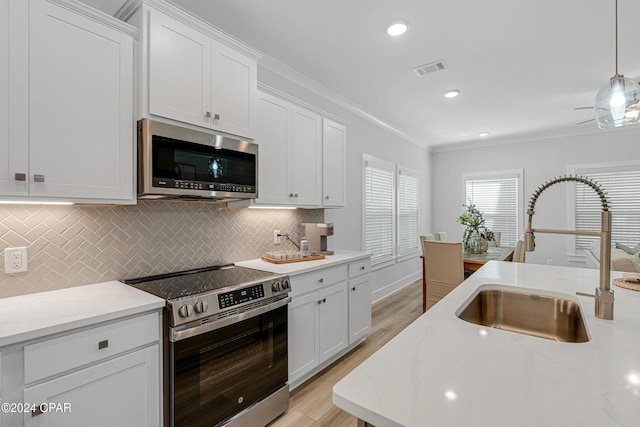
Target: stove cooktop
<point>181,284</point>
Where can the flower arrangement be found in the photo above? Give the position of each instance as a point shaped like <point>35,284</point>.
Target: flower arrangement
<point>476,235</point>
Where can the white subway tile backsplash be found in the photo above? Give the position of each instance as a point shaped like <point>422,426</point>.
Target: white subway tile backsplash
<point>77,245</point>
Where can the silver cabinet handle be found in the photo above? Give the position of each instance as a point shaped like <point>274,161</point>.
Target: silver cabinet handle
<point>295,195</point>
<point>20,176</point>
<point>324,300</point>
<point>216,117</point>
<point>37,411</point>
<point>208,114</point>
<point>321,280</point>
<point>38,178</point>
<point>103,344</point>
<point>362,268</point>
<point>326,197</point>
<point>319,302</point>
<point>290,194</point>
<point>353,289</point>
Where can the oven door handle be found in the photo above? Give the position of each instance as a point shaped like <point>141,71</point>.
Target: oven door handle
<point>175,335</point>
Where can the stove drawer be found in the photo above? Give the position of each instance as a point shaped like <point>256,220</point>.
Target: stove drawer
<point>74,350</point>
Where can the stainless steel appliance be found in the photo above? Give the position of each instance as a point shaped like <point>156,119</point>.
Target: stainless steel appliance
<point>225,349</point>
<point>181,163</point>
<point>316,234</point>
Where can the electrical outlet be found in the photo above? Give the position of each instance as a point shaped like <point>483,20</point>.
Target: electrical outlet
<point>276,238</point>
<point>15,260</point>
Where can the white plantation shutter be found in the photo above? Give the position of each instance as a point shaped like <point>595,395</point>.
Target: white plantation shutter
<point>378,208</point>
<point>408,189</point>
<point>497,197</point>
<point>622,185</point>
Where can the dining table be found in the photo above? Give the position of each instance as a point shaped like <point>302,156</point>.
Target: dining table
<point>473,262</point>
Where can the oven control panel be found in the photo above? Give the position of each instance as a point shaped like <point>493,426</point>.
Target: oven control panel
<point>239,296</point>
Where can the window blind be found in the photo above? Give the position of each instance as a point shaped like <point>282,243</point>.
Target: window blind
<point>378,210</point>
<point>497,199</point>
<point>408,239</point>
<point>623,190</point>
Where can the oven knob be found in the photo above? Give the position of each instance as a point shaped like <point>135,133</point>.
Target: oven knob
<point>201,306</point>
<point>185,310</point>
<point>285,284</point>
<point>275,287</point>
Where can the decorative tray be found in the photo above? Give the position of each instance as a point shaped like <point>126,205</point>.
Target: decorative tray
<point>288,257</point>
<point>628,281</point>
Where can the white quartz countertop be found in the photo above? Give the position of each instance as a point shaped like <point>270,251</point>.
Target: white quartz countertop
<point>294,268</point>
<point>36,315</point>
<point>443,371</point>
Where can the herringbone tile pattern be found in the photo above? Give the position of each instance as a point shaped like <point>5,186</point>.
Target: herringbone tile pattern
<point>77,245</point>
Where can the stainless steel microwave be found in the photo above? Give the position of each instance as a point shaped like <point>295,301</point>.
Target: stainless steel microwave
<point>181,163</point>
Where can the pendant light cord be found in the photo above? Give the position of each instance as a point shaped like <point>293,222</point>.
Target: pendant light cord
<point>617,38</point>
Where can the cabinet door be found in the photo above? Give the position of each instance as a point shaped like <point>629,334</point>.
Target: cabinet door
<point>303,335</point>
<point>333,320</point>
<point>120,392</point>
<point>334,164</point>
<point>81,106</point>
<point>272,122</point>
<point>359,308</point>
<point>303,160</point>
<point>233,91</point>
<point>179,71</point>
<point>14,91</point>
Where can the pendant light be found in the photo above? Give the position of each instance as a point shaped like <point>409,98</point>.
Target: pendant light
<point>618,102</point>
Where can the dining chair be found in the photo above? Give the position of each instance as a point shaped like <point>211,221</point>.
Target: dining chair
<point>519,254</point>
<point>441,236</point>
<point>444,270</point>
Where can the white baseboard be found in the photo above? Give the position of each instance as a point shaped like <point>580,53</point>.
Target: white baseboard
<point>387,290</point>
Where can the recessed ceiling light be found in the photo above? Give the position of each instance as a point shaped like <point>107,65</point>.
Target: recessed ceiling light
<point>397,28</point>
<point>452,93</point>
<point>483,134</point>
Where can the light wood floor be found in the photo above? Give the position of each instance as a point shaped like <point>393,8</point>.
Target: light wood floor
<point>311,403</point>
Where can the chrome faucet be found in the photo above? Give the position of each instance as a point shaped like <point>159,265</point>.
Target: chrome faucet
<point>604,293</point>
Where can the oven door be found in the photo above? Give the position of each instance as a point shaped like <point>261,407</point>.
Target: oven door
<point>218,374</point>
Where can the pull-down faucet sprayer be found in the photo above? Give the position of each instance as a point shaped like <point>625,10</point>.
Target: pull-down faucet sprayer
<point>603,294</point>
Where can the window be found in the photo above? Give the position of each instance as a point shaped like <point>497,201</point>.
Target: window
<point>379,185</point>
<point>408,186</point>
<point>498,195</point>
<point>621,181</point>
<point>390,206</point>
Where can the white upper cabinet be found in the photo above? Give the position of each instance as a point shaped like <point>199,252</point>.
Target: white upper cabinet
<point>289,140</point>
<point>334,164</point>
<point>272,130</point>
<point>68,133</point>
<point>179,70</point>
<point>193,77</point>
<point>303,157</point>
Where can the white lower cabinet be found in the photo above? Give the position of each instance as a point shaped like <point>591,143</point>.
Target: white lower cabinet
<point>118,392</point>
<point>101,375</point>
<point>359,308</point>
<point>326,317</point>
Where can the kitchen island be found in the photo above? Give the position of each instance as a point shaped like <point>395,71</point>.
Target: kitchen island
<point>443,371</point>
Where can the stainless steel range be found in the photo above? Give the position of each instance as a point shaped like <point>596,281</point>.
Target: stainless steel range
<point>225,350</point>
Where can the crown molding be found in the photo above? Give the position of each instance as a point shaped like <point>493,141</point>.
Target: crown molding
<point>97,16</point>
<point>184,16</point>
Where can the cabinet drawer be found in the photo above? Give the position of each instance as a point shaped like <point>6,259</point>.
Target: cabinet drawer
<point>318,279</point>
<point>80,348</point>
<point>360,267</point>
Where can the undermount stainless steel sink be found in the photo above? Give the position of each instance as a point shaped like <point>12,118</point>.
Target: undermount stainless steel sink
<point>526,312</point>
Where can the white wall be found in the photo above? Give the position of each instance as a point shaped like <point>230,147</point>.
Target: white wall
<point>365,137</point>
<point>540,160</point>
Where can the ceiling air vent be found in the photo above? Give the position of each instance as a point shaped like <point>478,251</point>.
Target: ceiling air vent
<point>431,67</point>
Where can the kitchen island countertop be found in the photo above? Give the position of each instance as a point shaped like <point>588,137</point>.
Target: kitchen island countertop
<point>443,371</point>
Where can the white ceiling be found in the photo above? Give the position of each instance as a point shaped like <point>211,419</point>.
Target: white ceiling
<point>521,66</point>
